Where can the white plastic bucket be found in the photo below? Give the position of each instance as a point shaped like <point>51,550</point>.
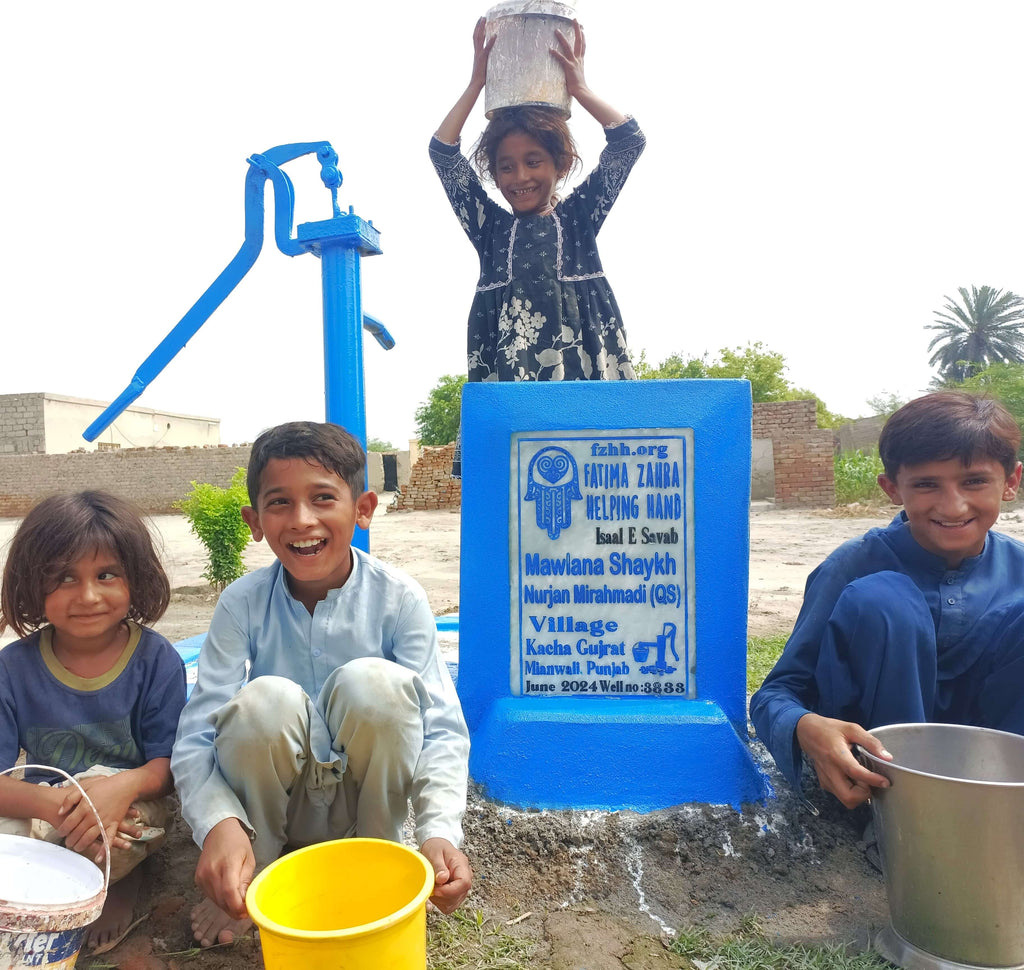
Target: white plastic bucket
<point>48,896</point>
<point>520,68</point>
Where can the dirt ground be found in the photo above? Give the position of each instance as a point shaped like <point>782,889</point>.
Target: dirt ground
<point>593,890</point>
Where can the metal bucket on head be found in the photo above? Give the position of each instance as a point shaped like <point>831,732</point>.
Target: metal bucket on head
<point>48,896</point>
<point>951,837</point>
<point>520,68</point>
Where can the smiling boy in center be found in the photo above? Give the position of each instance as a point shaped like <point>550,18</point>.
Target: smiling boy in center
<point>322,703</point>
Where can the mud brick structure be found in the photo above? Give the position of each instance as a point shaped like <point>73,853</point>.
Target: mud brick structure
<point>431,485</point>
<point>802,453</point>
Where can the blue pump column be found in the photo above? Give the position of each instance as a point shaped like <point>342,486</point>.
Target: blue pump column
<point>340,243</point>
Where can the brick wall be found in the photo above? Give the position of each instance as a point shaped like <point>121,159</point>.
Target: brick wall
<point>802,453</point>
<point>431,485</point>
<point>804,472</point>
<point>155,478</point>
<point>782,419</point>
<point>152,478</point>
<point>21,424</point>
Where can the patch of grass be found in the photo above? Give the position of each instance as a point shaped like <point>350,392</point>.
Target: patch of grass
<point>469,941</point>
<point>856,474</point>
<point>749,949</point>
<point>762,652</point>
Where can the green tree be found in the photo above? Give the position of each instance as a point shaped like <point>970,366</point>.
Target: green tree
<point>986,329</point>
<point>1005,382</point>
<point>437,419</point>
<point>377,444</point>
<point>673,367</point>
<point>215,516</point>
<point>764,368</point>
<point>885,403</point>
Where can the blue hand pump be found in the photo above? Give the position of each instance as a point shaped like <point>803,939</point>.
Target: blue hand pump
<point>339,242</point>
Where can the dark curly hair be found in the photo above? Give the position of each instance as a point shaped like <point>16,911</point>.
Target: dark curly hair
<point>58,532</point>
<point>545,125</point>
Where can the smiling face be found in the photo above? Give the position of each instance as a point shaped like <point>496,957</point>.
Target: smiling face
<point>525,173</point>
<point>951,506</point>
<point>308,516</point>
<point>89,603</point>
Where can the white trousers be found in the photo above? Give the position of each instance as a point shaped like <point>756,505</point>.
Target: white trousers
<point>309,771</point>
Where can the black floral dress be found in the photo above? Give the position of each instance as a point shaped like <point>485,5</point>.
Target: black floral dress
<point>543,309</point>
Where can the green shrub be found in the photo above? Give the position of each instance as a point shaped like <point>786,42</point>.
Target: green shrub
<point>856,477</point>
<point>215,516</point>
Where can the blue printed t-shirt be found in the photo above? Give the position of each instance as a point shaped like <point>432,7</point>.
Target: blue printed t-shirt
<point>121,719</point>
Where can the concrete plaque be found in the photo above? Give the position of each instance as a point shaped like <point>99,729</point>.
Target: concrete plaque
<point>602,563</point>
<point>604,529</point>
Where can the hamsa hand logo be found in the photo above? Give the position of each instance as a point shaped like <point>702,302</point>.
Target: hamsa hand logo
<point>553,483</point>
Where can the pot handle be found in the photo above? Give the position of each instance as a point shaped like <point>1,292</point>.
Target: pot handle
<point>873,763</point>
<point>88,801</point>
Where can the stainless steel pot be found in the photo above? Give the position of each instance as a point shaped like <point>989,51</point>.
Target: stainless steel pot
<point>951,837</point>
<point>520,68</point>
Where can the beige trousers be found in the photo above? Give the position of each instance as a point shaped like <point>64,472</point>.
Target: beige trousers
<point>153,816</point>
<point>309,771</point>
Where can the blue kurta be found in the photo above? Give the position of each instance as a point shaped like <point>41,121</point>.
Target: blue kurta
<point>543,308</point>
<point>888,633</point>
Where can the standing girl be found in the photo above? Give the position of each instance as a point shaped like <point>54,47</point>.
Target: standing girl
<point>543,309</point>
<point>88,689</point>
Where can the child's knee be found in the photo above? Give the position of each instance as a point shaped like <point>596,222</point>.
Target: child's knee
<point>376,691</point>
<point>884,603</point>
<point>16,826</point>
<point>244,718</point>
<point>880,630</point>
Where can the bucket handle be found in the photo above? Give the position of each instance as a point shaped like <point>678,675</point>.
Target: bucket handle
<point>88,801</point>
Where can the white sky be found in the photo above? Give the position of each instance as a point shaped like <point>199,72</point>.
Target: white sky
<point>818,176</point>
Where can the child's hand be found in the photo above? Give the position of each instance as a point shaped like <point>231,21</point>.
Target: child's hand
<point>112,796</point>
<point>453,875</point>
<point>570,56</point>
<point>225,867</point>
<point>827,742</point>
<point>482,45</point>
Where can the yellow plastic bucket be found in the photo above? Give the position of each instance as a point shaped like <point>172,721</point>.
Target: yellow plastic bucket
<point>353,904</point>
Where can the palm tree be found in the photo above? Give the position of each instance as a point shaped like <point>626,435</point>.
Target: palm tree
<point>987,329</point>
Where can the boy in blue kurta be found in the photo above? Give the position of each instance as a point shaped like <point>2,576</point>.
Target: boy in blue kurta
<point>920,621</point>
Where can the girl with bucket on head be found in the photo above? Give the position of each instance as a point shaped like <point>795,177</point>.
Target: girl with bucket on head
<point>88,689</point>
<point>543,309</point>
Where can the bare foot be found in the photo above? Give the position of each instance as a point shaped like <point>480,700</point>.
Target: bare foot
<point>117,911</point>
<point>210,924</point>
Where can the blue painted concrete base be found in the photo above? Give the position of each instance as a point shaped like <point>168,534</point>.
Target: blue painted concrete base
<point>612,753</point>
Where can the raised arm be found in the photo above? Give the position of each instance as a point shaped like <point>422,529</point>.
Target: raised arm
<point>570,56</point>
<point>450,129</point>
